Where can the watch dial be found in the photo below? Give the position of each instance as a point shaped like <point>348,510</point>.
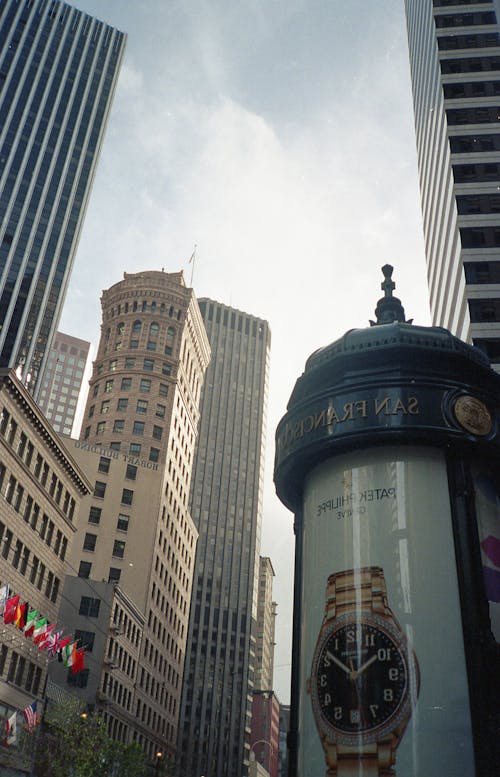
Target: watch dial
<point>360,678</point>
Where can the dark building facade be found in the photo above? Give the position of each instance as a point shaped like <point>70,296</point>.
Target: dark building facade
<point>455,70</point>
<point>226,506</point>
<point>58,70</point>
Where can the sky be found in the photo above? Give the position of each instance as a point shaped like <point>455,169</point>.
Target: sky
<point>277,136</point>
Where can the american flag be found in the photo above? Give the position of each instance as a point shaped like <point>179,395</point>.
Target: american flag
<point>30,715</point>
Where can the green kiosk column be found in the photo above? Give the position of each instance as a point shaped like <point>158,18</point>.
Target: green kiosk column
<point>389,457</point>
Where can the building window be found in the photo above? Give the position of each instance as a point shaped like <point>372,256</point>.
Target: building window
<point>484,310</point>
<point>99,489</point>
<point>91,411</point>
<point>85,639</point>
<point>89,607</point>
<point>108,386</point>
<point>134,449</point>
<point>160,411</point>
<point>145,385</point>
<point>129,363</point>
<point>115,446</point>
<point>95,515</point>
<point>154,329</point>
<point>163,390</point>
<point>101,427</point>
<point>154,454</point>
<point>119,425</point>
<point>157,432</point>
<point>122,404</point>
<point>113,364</point>
<point>151,345</point>
<point>134,344</point>
<point>105,406</point>
<point>78,680</point>
<point>114,575</point>
<point>166,369</point>
<point>136,327</point>
<point>90,541</point>
<point>104,463</point>
<point>149,365</point>
<point>131,472</point>
<point>142,406</point>
<point>138,427</point>
<point>126,384</point>
<point>118,549</point>
<point>85,569</point>
<point>122,523</point>
<point>127,496</point>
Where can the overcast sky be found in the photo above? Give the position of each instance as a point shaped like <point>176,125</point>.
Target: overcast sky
<point>277,135</point>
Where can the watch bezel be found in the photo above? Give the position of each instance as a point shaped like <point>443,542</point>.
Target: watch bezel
<point>402,712</point>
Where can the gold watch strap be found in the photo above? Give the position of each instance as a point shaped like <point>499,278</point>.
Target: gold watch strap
<point>373,760</point>
<point>356,589</point>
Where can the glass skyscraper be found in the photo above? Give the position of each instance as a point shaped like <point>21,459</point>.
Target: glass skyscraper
<point>455,70</point>
<point>226,506</point>
<point>58,71</point>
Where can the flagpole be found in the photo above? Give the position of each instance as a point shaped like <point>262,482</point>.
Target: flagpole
<point>192,260</point>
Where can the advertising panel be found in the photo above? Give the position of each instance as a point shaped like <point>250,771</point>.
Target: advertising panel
<point>487,499</point>
<point>383,684</point>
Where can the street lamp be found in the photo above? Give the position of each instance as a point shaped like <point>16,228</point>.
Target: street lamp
<point>159,758</point>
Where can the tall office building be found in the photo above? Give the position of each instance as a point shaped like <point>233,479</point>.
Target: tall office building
<point>455,69</point>
<point>62,381</point>
<point>58,70</point>
<point>266,627</point>
<point>226,505</point>
<point>133,552</point>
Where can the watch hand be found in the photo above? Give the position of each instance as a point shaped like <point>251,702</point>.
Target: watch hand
<point>339,663</point>
<point>364,666</point>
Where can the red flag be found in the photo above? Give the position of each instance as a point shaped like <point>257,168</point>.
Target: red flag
<point>10,611</point>
<point>78,663</point>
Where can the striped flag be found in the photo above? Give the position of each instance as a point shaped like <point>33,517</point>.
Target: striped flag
<point>30,715</point>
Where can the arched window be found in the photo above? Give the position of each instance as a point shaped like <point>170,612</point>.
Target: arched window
<point>136,326</point>
<point>171,311</point>
<point>120,328</point>
<point>154,329</point>
<point>134,306</point>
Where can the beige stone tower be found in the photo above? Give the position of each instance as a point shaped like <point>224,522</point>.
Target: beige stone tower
<point>135,534</point>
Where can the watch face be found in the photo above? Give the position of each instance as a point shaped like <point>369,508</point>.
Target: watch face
<point>359,680</point>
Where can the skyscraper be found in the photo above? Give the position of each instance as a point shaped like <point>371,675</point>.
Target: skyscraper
<point>58,71</point>
<point>455,69</point>
<point>266,626</point>
<point>135,533</point>
<point>226,505</point>
<point>62,381</point>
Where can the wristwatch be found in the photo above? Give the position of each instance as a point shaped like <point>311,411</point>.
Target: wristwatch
<point>364,678</point>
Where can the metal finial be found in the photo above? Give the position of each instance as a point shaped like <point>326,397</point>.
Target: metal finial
<point>389,308</point>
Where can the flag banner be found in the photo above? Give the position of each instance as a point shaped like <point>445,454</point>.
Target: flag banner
<point>41,639</point>
<point>10,610</point>
<point>63,643</point>
<point>30,623</point>
<point>20,619</point>
<point>11,730</point>
<point>68,653</point>
<point>30,715</point>
<point>78,661</point>
<point>4,595</point>
<point>40,626</point>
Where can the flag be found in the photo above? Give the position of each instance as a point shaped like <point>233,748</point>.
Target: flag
<point>78,662</point>
<point>68,652</point>
<point>30,715</point>
<point>39,629</point>
<point>4,595</point>
<point>60,648</point>
<point>54,644</point>
<point>30,623</point>
<point>20,619</point>
<point>11,730</point>
<point>10,611</point>
<point>41,640</point>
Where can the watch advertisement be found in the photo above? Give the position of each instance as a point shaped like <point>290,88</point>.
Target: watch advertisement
<point>383,683</point>
<point>487,502</point>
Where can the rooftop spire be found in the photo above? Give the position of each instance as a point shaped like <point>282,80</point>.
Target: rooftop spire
<point>389,308</point>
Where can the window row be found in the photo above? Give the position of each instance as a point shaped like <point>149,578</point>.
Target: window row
<point>490,347</point>
<point>141,407</point>
<point>474,144</point>
<point>484,310</point>
<point>28,564</point>
<point>138,428</point>
<point>480,237</point>
<point>458,116</point>
<point>476,172</point>
<point>144,307</point>
<point>100,491</point>
<point>125,625</point>
<point>129,363</point>
<point>465,19</point>
<point>120,656</point>
<point>480,41</point>
<point>26,451</point>
<point>126,384</point>
<point>470,65</point>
